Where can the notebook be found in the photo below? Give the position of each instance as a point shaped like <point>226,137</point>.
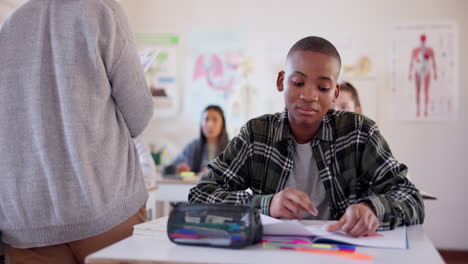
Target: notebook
<point>315,231</point>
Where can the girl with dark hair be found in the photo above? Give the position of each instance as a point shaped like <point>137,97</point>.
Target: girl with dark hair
<point>212,141</point>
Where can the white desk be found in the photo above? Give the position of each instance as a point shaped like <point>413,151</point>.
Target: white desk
<point>165,191</point>
<point>158,249</point>
<point>174,190</point>
<point>151,203</point>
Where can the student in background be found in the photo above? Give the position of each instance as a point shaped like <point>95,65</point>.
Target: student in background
<point>348,99</point>
<point>212,141</point>
<point>73,97</point>
<point>312,161</point>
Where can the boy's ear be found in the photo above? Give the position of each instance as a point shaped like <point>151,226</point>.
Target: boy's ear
<point>337,91</point>
<point>280,81</point>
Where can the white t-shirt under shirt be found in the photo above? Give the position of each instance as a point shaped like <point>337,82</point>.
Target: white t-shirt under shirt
<point>211,153</point>
<point>305,177</point>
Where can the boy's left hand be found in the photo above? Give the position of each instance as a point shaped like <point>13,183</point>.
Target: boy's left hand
<point>358,220</point>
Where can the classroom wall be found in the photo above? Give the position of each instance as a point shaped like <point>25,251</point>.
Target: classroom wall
<point>434,151</point>
<point>6,6</point>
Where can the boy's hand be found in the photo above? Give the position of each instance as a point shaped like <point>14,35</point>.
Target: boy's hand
<point>358,220</point>
<point>290,202</point>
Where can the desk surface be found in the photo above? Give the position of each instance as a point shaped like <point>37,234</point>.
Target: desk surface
<point>158,248</point>
<point>190,180</point>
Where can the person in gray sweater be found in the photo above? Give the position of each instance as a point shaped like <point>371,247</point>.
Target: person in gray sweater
<point>72,97</point>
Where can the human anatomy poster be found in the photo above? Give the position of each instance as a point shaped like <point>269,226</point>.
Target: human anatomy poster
<point>424,71</point>
<point>213,76</point>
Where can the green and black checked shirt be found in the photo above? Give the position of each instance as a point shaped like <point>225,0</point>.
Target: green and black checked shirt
<point>354,162</point>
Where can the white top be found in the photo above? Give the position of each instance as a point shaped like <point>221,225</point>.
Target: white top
<point>305,177</point>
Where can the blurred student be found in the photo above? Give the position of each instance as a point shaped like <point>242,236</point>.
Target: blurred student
<point>312,161</point>
<point>348,99</point>
<point>73,96</point>
<point>212,141</point>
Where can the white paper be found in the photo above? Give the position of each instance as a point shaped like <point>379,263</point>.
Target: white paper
<point>154,227</point>
<point>384,239</point>
<point>147,57</point>
<point>268,219</point>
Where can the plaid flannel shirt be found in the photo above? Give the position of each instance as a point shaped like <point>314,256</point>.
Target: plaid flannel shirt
<point>354,162</point>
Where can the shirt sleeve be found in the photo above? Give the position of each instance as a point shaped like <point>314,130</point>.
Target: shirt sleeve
<point>187,154</point>
<point>395,199</point>
<point>228,177</point>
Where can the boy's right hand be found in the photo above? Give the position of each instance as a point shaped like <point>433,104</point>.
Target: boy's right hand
<point>290,202</point>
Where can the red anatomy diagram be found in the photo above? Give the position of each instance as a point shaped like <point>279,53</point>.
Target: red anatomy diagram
<point>218,75</point>
<point>419,68</point>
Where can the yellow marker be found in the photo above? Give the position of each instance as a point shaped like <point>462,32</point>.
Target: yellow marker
<point>187,174</point>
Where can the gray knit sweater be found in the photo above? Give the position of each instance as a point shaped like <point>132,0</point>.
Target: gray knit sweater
<point>72,94</point>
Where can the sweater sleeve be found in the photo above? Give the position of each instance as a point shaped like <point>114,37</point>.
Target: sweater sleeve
<point>129,88</point>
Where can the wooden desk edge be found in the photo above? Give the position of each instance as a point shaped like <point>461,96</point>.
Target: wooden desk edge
<point>154,188</point>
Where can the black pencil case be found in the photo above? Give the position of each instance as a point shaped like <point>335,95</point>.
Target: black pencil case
<point>214,225</point>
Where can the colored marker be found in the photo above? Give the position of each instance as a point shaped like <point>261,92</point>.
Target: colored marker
<point>314,245</point>
<point>341,253</point>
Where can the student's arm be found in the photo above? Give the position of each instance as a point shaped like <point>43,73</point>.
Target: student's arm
<point>187,155</point>
<point>129,89</point>
<point>395,200</point>
<point>229,176</point>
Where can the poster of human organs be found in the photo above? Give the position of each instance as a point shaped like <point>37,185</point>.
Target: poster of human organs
<point>424,71</point>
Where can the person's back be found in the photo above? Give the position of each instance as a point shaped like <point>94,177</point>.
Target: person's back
<point>71,97</point>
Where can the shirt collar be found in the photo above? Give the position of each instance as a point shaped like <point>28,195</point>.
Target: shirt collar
<point>325,132</point>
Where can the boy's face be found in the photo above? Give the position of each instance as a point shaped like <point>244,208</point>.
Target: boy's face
<point>310,85</point>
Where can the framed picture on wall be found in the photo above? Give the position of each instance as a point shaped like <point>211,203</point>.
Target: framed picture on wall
<point>424,71</point>
<point>160,52</point>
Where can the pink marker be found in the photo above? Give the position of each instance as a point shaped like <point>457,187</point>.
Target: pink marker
<point>299,241</point>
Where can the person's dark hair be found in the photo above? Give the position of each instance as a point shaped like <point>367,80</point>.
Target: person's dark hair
<point>346,86</point>
<point>316,44</point>
<point>222,141</point>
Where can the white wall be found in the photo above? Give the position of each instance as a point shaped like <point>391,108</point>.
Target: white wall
<point>434,151</point>
<point>6,6</point>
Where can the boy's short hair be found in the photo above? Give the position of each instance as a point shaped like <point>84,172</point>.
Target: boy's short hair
<point>316,44</point>
<point>346,86</point>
